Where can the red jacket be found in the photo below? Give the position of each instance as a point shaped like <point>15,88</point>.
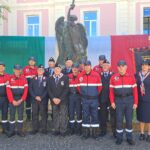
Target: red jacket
<point>73,82</point>
<point>17,87</point>
<point>98,69</point>
<point>123,86</point>
<point>3,82</point>
<point>89,85</point>
<point>29,72</point>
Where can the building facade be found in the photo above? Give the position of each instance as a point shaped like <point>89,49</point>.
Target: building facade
<point>100,17</point>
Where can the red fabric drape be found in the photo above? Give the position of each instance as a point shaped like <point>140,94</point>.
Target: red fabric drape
<point>120,46</point>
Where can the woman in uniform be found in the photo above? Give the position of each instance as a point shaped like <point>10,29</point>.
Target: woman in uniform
<point>143,111</point>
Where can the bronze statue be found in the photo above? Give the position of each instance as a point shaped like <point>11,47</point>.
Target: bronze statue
<point>71,37</point>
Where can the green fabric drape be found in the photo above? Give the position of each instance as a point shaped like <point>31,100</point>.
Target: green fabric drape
<point>17,50</point>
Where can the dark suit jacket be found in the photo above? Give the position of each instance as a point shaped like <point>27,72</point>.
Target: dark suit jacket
<point>61,90</point>
<point>38,90</point>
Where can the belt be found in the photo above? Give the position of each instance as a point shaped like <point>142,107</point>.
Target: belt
<point>123,95</point>
<point>89,97</point>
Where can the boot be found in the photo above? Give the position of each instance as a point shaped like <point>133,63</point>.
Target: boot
<point>94,133</point>
<point>86,133</point>
<point>5,128</point>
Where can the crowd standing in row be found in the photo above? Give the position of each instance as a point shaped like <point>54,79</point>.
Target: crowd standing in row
<point>83,99</point>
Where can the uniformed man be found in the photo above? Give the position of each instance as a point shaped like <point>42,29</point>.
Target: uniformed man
<point>81,65</point>
<point>3,97</point>
<point>105,102</point>
<point>38,91</point>
<point>17,90</point>
<point>29,72</point>
<point>89,87</point>
<point>74,101</point>
<point>98,68</point>
<point>58,90</point>
<point>50,70</point>
<point>68,66</point>
<point>123,98</point>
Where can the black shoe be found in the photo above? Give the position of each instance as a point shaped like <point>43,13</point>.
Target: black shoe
<point>21,133</point>
<point>56,133</point>
<point>148,138</point>
<point>33,132</point>
<point>130,142</point>
<point>118,141</point>
<point>44,131</point>
<point>11,134</point>
<point>86,133</point>
<point>102,134</point>
<point>142,137</point>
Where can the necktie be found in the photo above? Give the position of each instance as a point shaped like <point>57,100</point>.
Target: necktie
<point>56,80</point>
<point>105,74</point>
<point>40,80</point>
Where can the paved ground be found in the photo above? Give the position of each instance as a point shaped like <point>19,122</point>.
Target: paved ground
<point>50,142</point>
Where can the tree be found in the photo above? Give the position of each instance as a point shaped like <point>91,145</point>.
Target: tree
<point>3,8</point>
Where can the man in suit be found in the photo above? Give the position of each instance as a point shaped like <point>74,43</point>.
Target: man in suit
<point>58,89</point>
<point>105,102</point>
<point>38,91</point>
<point>50,70</point>
<point>68,66</point>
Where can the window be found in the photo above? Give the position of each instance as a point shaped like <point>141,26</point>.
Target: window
<point>33,25</point>
<point>146,21</point>
<point>90,22</point>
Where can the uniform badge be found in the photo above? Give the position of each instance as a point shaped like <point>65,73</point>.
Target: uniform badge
<point>62,83</point>
<point>27,70</point>
<point>116,78</point>
<point>44,84</point>
<point>81,79</point>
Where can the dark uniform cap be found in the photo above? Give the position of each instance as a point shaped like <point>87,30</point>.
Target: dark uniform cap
<point>87,63</point>
<point>58,65</point>
<point>2,63</point>
<point>17,67</point>
<point>106,61</point>
<point>121,63</point>
<point>52,59</point>
<point>75,65</point>
<point>41,66</point>
<point>145,62</point>
<point>32,58</point>
<point>102,57</point>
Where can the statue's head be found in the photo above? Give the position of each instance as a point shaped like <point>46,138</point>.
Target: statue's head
<point>73,18</point>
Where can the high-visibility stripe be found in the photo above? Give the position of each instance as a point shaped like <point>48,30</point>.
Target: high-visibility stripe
<point>3,84</point>
<point>90,84</point>
<point>134,85</point>
<point>122,86</point>
<point>73,85</point>
<point>4,121</point>
<point>28,108</point>
<point>12,122</point>
<point>72,121</point>
<point>86,125</point>
<point>30,76</point>
<point>79,121</point>
<point>20,121</point>
<point>129,130</point>
<point>119,131</point>
<point>25,85</point>
<point>17,87</point>
<point>94,125</point>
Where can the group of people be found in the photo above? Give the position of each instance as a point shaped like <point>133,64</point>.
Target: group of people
<point>83,98</point>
